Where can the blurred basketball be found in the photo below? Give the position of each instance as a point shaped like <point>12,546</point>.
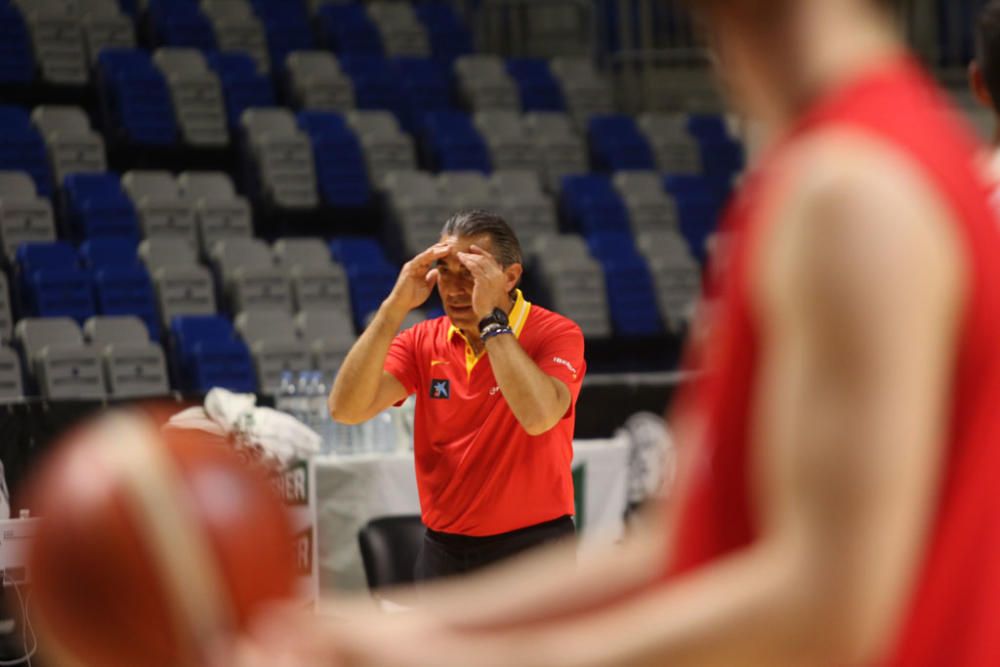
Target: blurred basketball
<point>152,546</point>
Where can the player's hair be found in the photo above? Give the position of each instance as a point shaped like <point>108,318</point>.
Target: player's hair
<point>475,222</point>
<point>988,48</point>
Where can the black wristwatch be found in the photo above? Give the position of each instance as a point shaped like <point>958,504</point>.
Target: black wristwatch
<point>498,316</point>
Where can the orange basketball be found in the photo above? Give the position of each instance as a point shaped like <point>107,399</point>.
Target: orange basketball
<point>152,547</point>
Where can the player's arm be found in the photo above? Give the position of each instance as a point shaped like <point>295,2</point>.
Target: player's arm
<point>859,306</point>
<point>537,400</point>
<point>362,388</point>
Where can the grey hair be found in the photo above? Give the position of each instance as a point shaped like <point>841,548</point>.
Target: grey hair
<point>475,222</point>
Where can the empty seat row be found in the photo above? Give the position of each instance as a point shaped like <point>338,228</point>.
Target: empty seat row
<point>420,203</point>
<point>110,356</point>
<point>68,35</point>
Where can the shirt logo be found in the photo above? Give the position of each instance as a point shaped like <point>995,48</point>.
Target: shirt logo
<point>563,362</point>
<point>440,389</point>
<point>495,390</point>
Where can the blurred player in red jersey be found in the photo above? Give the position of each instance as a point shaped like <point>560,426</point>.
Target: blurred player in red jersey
<point>838,501</point>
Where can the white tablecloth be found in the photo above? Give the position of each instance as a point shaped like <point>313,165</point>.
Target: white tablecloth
<point>353,490</point>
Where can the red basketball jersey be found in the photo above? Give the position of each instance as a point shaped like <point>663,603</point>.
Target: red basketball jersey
<point>953,612</point>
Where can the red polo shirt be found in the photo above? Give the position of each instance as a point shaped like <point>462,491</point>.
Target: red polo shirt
<point>479,473</point>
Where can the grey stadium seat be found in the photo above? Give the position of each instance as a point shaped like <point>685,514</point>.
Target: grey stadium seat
<point>402,32</point>
<point>526,207</point>
<point>134,366</point>
<point>274,345</point>
<point>62,366</point>
<point>24,216</point>
<point>649,206</point>
<point>183,286</point>
<point>11,382</point>
<point>328,334</point>
<point>586,91</point>
<point>105,26</point>
<point>484,83</point>
<point>317,82</point>
<point>251,281</point>
<point>561,150</point>
<point>675,150</point>
<point>317,281</point>
<point>57,39</point>
<point>219,212</point>
<point>6,316</point>
<point>676,274</point>
<point>237,28</point>
<point>509,143</point>
<point>163,212</point>
<point>418,208</point>
<point>197,98</point>
<point>387,148</point>
<point>72,145</point>
<point>465,189</point>
<point>575,282</point>
<point>283,156</point>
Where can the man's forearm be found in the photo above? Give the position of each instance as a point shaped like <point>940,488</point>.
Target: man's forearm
<point>530,393</point>
<point>357,382</point>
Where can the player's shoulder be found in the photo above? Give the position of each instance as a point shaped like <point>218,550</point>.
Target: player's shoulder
<point>550,323</point>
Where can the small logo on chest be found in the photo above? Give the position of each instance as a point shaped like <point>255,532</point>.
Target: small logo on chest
<point>495,390</point>
<point>441,389</point>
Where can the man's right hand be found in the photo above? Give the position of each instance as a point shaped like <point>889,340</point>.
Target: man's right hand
<point>417,279</point>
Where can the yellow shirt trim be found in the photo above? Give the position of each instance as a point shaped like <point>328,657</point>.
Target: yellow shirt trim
<point>517,317</point>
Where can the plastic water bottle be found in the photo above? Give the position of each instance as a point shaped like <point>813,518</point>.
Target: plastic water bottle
<point>318,412</point>
<point>285,400</point>
<point>382,433</point>
<point>303,399</point>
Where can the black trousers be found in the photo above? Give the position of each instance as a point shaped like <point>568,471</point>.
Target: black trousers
<point>445,554</point>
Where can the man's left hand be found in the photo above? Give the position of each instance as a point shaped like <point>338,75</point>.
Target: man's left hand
<point>490,290</point>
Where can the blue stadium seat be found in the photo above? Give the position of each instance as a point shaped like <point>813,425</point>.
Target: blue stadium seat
<point>589,203</point>
<point>449,37</point>
<point>538,87</point>
<point>207,353</point>
<point>104,252</point>
<point>425,85</point>
<point>452,143</point>
<point>135,98</point>
<point>340,164</point>
<point>95,206</point>
<point>616,144</point>
<point>698,206</point>
<point>242,85</point>
<point>23,149</point>
<point>722,156</point>
<point>52,282</point>
<point>346,28</point>
<point>287,26</point>
<point>17,62</point>
<point>181,23</point>
<point>127,290</point>
<point>370,275</point>
<point>375,84</point>
<point>631,291</point>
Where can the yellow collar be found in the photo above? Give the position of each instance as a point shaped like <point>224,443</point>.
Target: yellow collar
<point>517,317</point>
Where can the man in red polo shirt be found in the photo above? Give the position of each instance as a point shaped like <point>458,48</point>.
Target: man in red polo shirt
<point>496,381</point>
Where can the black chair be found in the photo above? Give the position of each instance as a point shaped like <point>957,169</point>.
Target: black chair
<point>389,547</point>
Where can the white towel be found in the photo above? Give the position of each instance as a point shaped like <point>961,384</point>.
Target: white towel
<point>275,435</point>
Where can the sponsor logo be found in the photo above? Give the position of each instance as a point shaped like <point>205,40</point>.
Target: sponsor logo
<point>440,389</point>
<point>563,362</point>
<point>495,390</point>
<point>304,552</point>
<point>293,484</point>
